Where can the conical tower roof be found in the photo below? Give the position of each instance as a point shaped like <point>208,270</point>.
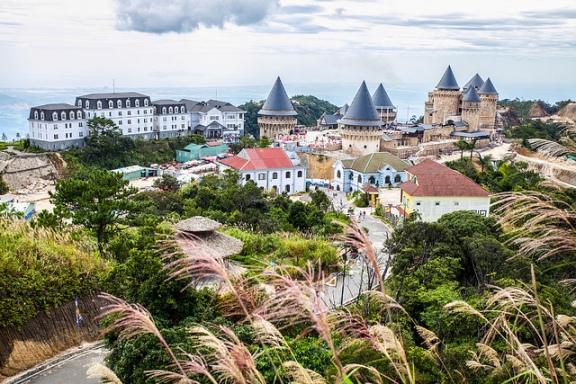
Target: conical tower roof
<point>488,88</point>
<point>381,99</point>
<point>362,111</point>
<point>471,96</point>
<point>475,82</point>
<point>278,103</point>
<point>448,81</point>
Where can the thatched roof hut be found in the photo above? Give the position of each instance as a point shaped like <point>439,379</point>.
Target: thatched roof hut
<point>200,230</point>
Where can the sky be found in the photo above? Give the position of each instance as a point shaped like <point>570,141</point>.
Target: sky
<point>189,43</point>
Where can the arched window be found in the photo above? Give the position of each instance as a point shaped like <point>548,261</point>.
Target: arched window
<point>55,116</point>
<point>110,104</point>
<point>79,114</point>
<point>387,180</point>
<point>87,104</point>
<point>35,115</point>
<point>372,179</point>
<point>170,110</point>
<point>359,178</point>
<point>338,174</point>
<point>63,116</point>
<point>99,104</point>
<point>41,115</point>
<point>299,173</point>
<point>127,103</point>
<point>71,115</point>
<point>163,110</point>
<point>137,103</point>
<point>80,103</point>
<point>247,177</point>
<point>287,188</point>
<point>397,179</point>
<point>274,175</point>
<point>288,174</point>
<point>182,110</point>
<point>119,103</point>
<point>145,102</point>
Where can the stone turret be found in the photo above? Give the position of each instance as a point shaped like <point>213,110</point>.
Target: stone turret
<point>444,101</point>
<point>277,117</point>
<point>488,105</point>
<point>384,106</point>
<point>360,126</point>
<point>470,108</point>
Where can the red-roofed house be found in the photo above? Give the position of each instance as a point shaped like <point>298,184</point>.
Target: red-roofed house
<point>433,190</point>
<point>269,168</point>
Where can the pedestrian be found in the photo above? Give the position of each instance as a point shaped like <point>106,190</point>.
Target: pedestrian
<point>364,214</point>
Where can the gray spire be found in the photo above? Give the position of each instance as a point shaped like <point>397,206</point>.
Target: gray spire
<point>278,103</point>
<point>448,81</point>
<point>475,82</point>
<point>488,88</point>
<point>362,111</point>
<point>471,96</point>
<point>381,99</point>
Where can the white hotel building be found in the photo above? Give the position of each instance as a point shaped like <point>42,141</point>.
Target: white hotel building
<point>170,118</point>
<point>132,112</point>
<point>57,126</point>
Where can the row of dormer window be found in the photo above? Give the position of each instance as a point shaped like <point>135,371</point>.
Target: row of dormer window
<point>171,110</point>
<point>111,103</point>
<point>55,115</point>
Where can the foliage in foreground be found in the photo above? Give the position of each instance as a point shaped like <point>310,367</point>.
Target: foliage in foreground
<point>40,268</point>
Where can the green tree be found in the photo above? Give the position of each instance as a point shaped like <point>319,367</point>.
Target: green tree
<point>264,143</point>
<point>97,199</point>
<point>243,142</point>
<point>167,183</point>
<point>320,199</point>
<point>310,108</point>
<point>105,145</point>
<point>251,109</point>
<point>4,137</point>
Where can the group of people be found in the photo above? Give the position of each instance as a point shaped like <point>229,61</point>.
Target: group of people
<point>361,216</point>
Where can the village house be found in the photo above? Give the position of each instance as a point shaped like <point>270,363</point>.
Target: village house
<point>432,189</point>
<point>270,168</point>
<point>379,169</point>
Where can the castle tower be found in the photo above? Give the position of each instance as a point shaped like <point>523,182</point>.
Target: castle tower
<point>476,82</point>
<point>471,108</point>
<point>444,101</point>
<point>488,105</point>
<point>384,106</point>
<point>360,126</point>
<point>277,117</point>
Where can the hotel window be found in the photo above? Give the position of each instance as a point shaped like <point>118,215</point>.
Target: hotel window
<point>87,104</point>
<point>129,121</point>
<point>119,113</point>
<point>418,203</point>
<point>63,116</point>
<point>261,176</point>
<point>214,118</point>
<point>137,103</point>
<point>456,203</point>
<point>35,115</point>
<point>145,103</point>
<point>120,122</point>
<point>182,110</point>
<point>79,103</point>
<point>164,118</point>
<point>71,115</point>
<point>55,137</point>
<point>119,103</point>
<point>81,134</point>
<point>55,126</point>
<point>164,111</point>
<point>359,178</point>
<point>79,115</point>
<point>41,115</point>
<point>437,203</point>
<point>110,104</point>
<point>80,124</point>
<point>55,116</point>
<point>288,174</point>
<point>170,110</point>
<point>127,103</point>
<point>299,173</point>
<point>99,104</point>
<point>129,130</point>
<point>129,113</point>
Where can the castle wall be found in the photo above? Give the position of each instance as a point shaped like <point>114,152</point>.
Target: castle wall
<point>276,127</point>
<point>470,114</point>
<point>444,103</point>
<point>360,141</point>
<point>488,106</point>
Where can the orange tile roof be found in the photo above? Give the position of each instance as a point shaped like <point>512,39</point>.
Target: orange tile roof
<point>259,158</point>
<point>435,179</point>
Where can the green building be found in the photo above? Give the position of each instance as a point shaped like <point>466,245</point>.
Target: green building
<point>195,151</point>
<point>136,172</point>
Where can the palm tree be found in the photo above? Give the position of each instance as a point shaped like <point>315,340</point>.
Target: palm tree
<point>462,145</point>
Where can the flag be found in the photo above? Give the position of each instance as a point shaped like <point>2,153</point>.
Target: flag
<point>271,268</point>
<point>78,314</point>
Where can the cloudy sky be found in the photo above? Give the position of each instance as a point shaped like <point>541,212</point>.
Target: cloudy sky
<point>152,43</point>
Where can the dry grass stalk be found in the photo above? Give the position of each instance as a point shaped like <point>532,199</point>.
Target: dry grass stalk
<point>300,375</point>
<point>99,371</point>
<point>540,226</point>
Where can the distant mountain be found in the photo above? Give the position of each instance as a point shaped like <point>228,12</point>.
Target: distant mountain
<point>9,101</point>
